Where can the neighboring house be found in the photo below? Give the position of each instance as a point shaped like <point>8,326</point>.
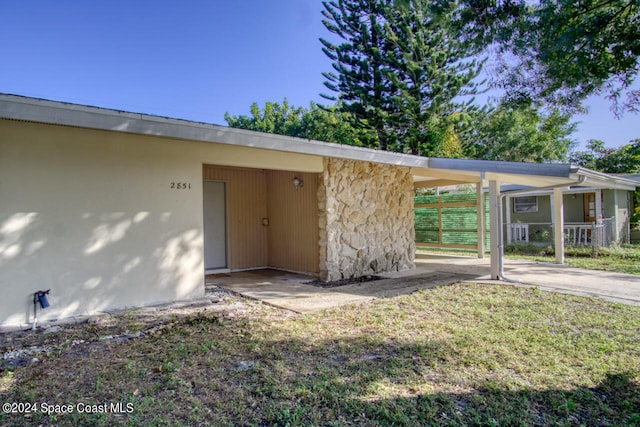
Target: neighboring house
<point>450,220</point>
<point>529,217</point>
<point>110,209</point>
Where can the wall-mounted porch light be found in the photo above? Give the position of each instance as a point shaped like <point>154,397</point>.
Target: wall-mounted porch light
<point>298,182</point>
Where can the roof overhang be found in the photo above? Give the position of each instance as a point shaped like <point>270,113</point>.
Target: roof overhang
<point>460,171</point>
<point>427,172</point>
<point>65,114</point>
<point>603,180</point>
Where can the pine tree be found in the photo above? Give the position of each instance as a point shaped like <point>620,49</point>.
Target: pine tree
<point>359,62</point>
<point>400,69</point>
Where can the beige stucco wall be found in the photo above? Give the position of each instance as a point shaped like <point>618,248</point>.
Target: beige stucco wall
<point>366,219</point>
<point>92,215</point>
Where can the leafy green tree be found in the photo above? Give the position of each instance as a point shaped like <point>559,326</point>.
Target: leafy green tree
<point>327,124</point>
<point>399,69</point>
<point>283,119</point>
<point>519,133</point>
<point>330,124</point>
<point>587,158</point>
<point>560,51</point>
<point>451,144</point>
<point>625,159</point>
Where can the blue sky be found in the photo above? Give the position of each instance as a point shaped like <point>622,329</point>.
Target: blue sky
<point>189,59</point>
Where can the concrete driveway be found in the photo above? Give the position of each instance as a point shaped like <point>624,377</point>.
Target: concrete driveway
<point>291,290</point>
<point>618,287</point>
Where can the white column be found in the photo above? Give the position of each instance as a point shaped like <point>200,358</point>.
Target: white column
<point>481,219</point>
<point>616,216</point>
<point>507,208</point>
<point>495,246</point>
<point>558,222</point>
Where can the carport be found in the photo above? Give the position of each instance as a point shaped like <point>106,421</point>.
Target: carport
<point>536,177</point>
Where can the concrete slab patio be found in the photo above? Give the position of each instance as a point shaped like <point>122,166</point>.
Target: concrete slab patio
<point>292,291</point>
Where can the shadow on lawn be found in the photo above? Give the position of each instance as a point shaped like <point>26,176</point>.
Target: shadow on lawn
<point>244,376</point>
<point>346,374</point>
<point>613,402</point>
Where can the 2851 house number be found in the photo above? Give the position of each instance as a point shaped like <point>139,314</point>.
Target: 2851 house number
<point>180,185</point>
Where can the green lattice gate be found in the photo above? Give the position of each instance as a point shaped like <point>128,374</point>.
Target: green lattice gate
<point>449,221</point>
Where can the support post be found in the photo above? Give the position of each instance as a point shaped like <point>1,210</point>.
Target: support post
<point>616,217</point>
<point>507,204</point>
<point>481,220</point>
<point>558,222</point>
<point>495,246</point>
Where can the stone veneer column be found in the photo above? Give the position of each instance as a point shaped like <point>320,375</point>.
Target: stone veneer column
<point>366,219</point>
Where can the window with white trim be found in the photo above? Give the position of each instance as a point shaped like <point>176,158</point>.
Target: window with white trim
<point>527,204</point>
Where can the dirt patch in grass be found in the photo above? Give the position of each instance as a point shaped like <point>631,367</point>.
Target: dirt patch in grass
<point>343,282</point>
<point>23,347</point>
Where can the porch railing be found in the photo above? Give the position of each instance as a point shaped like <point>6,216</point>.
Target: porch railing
<point>596,234</point>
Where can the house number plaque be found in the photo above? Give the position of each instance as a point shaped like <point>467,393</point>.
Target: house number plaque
<point>180,185</point>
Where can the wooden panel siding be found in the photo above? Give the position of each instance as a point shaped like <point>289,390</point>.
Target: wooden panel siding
<point>293,222</point>
<point>246,206</point>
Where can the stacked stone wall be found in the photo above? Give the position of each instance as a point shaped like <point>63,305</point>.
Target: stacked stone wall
<point>366,219</point>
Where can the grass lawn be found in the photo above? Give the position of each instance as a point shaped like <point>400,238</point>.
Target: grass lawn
<point>465,354</point>
<point>622,259</point>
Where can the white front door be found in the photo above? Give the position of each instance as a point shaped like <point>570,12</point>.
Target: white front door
<point>215,225</point>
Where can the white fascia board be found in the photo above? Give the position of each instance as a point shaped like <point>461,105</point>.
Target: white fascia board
<point>465,177</point>
<point>58,113</point>
<point>529,180</point>
<point>535,174</point>
<point>560,170</point>
<point>606,181</point>
<point>459,175</point>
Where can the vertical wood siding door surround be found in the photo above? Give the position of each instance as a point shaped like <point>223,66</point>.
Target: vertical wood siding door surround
<point>246,206</point>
